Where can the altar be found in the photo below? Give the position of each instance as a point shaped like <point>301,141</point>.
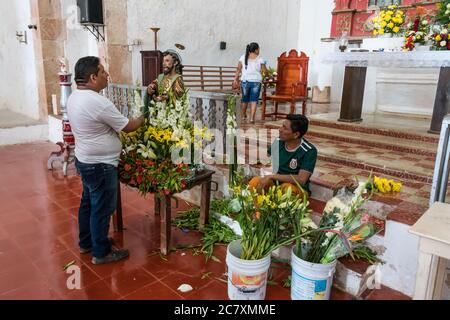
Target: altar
<point>360,86</point>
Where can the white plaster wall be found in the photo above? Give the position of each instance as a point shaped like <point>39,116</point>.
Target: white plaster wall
<point>314,25</point>
<point>79,42</point>
<point>18,83</point>
<point>401,255</point>
<point>200,25</point>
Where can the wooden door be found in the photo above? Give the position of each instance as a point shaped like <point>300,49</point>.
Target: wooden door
<point>151,66</point>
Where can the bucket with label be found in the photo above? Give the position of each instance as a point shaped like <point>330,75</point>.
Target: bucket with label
<point>247,279</point>
<point>311,281</point>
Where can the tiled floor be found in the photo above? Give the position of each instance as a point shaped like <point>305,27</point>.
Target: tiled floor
<point>38,236</point>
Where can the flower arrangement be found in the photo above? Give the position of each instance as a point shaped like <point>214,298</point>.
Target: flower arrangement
<point>418,30</point>
<point>440,38</point>
<point>146,161</point>
<point>343,227</point>
<point>389,21</point>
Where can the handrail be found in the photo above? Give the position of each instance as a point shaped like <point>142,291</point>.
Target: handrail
<point>442,166</point>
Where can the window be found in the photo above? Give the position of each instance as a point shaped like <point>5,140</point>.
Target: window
<point>383,3</point>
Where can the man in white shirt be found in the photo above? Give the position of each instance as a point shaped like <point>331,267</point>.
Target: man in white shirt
<point>96,124</point>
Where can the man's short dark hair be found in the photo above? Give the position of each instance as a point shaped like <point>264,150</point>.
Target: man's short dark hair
<point>299,123</point>
<point>86,67</point>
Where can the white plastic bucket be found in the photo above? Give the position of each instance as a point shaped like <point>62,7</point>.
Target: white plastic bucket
<point>247,279</point>
<point>311,281</point>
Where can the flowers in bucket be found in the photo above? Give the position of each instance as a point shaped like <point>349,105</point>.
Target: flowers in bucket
<point>266,220</point>
<point>389,21</point>
<point>343,227</point>
<point>440,38</point>
<point>418,30</point>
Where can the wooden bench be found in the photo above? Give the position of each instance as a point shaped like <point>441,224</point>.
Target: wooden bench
<point>163,208</point>
<point>209,78</point>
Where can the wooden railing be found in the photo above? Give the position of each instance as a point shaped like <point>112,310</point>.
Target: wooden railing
<point>208,78</point>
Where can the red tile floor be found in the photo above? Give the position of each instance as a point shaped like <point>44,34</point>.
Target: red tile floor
<point>38,236</point>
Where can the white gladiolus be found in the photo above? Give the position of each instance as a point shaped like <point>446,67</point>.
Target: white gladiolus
<point>425,22</point>
<point>448,6</point>
<point>444,31</point>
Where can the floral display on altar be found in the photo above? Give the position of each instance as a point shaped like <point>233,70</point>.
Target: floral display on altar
<point>389,21</point>
<point>419,28</point>
<point>440,38</point>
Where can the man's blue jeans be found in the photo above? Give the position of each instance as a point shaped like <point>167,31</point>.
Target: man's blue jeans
<point>98,203</point>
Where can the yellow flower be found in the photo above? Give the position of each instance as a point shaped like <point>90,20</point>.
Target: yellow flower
<point>438,37</point>
<point>383,24</point>
<point>396,29</point>
<point>381,31</point>
<point>390,25</point>
<point>388,18</point>
<point>448,36</point>
<point>375,32</point>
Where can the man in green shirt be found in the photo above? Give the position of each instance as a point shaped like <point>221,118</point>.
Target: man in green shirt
<point>293,157</point>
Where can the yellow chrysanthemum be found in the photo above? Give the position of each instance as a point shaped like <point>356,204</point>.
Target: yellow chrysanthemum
<point>396,29</point>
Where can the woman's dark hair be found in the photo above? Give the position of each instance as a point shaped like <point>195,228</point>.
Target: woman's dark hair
<point>299,123</point>
<point>179,68</point>
<point>252,47</point>
<point>86,67</point>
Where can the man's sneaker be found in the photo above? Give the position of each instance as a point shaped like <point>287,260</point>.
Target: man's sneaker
<point>114,256</point>
<point>89,250</point>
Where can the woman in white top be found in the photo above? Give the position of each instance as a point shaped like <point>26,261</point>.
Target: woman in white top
<point>251,67</point>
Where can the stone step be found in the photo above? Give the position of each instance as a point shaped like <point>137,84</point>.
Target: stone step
<point>404,162</point>
<point>357,128</point>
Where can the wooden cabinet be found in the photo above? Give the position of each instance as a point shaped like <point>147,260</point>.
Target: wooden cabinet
<point>151,66</point>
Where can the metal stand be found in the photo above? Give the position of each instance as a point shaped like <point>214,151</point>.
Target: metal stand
<point>66,154</point>
<point>442,167</point>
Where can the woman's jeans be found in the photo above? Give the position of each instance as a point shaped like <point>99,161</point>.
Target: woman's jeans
<point>98,203</point>
<point>250,91</point>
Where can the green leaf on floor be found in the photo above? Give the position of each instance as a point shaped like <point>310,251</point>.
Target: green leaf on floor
<point>67,266</point>
<point>206,275</point>
<point>287,282</point>
<point>162,257</point>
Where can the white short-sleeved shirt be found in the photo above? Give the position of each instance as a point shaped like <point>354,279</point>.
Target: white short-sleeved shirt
<point>253,71</point>
<point>95,123</point>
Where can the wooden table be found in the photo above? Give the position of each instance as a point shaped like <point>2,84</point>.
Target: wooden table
<point>434,251</point>
<point>163,207</point>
